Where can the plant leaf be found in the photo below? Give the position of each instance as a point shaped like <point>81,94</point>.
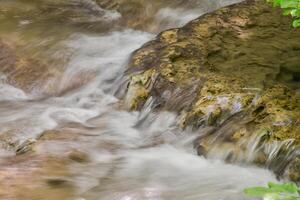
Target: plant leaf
<point>296,23</point>
<point>286,187</point>
<point>257,191</point>
<point>289,4</point>
<point>271,196</point>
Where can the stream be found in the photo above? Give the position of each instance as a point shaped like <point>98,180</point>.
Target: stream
<point>66,135</point>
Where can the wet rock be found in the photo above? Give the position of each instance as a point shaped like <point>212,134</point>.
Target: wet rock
<point>243,63</point>
<point>11,145</point>
<point>7,141</point>
<point>18,171</point>
<point>25,147</point>
<point>214,116</point>
<point>138,89</point>
<point>202,150</point>
<point>56,182</point>
<point>58,135</point>
<point>79,156</point>
<point>294,170</point>
<point>23,71</point>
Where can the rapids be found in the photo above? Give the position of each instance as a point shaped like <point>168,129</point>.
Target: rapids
<point>73,117</point>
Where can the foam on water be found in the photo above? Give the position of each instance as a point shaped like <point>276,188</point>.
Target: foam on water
<point>176,17</point>
<point>11,93</point>
<point>158,162</point>
<point>172,173</point>
<point>105,56</point>
<point>93,7</point>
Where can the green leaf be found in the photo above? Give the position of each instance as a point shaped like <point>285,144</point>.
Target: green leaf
<point>290,198</point>
<point>271,196</point>
<point>289,4</point>
<point>276,2</point>
<point>257,191</point>
<point>286,187</point>
<point>295,12</point>
<point>288,11</point>
<point>290,7</point>
<point>296,23</point>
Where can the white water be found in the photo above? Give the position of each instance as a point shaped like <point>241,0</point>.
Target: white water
<point>134,155</point>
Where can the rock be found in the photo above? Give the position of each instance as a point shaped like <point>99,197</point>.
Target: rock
<point>201,150</point>
<point>59,135</point>
<point>56,182</point>
<point>138,89</point>
<point>7,141</point>
<point>25,147</point>
<point>240,62</point>
<point>214,115</point>
<point>23,71</point>
<point>78,156</point>
<point>294,170</point>
<point>50,177</point>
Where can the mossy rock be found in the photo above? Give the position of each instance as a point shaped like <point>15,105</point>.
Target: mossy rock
<point>236,67</point>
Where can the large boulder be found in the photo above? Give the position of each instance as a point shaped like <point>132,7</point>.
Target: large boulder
<point>232,75</point>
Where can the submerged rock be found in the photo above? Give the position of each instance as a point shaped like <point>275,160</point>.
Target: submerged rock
<point>25,147</point>
<point>48,177</point>
<point>79,156</point>
<point>23,71</point>
<point>242,64</point>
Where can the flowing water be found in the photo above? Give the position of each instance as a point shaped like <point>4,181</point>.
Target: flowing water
<point>86,147</point>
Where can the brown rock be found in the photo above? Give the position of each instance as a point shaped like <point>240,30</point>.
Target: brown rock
<point>241,64</point>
